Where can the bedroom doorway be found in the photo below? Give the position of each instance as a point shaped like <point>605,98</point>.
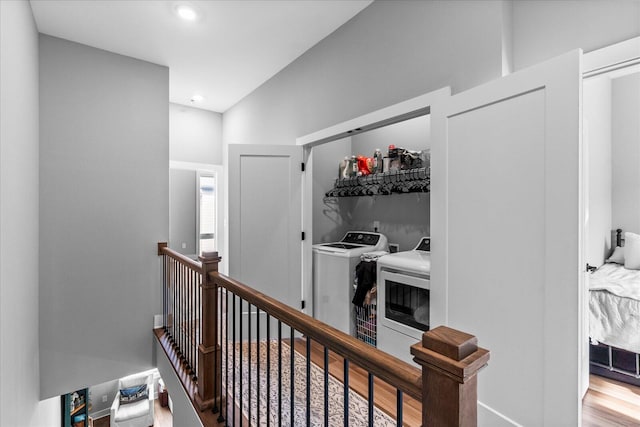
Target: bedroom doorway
<point>611,183</point>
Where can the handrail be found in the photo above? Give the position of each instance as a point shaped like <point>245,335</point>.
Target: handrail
<point>392,370</point>
<point>445,383</point>
<point>194,265</point>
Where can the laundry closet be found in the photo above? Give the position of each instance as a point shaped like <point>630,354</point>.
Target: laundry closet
<point>354,218</point>
<point>373,185</point>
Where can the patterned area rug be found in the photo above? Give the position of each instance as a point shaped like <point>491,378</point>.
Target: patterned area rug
<point>255,399</point>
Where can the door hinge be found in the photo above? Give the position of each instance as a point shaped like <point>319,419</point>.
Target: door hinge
<point>302,166</point>
<point>303,304</point>
<point>303,235</point>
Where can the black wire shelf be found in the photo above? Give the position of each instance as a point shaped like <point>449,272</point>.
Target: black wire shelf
<point>415,180</point>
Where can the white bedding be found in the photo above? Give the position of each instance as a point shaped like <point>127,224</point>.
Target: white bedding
<point>614,307</point>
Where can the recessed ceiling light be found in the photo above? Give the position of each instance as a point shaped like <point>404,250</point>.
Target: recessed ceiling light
<point>197,98</point>
<point>186,12</point>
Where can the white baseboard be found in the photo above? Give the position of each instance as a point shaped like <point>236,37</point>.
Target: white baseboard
<point>489,417</point>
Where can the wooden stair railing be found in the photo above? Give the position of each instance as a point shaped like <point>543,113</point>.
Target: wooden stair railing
<point>450,360</point>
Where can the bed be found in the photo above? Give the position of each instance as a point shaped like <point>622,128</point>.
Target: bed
<point>614,313</point>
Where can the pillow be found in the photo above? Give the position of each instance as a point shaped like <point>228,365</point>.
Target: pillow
<point>133,394</point>
<point>617,256</point>
<point>631,251</point>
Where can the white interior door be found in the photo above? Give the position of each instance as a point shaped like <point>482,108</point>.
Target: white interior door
<point>506,233</point>
<point>265,219</point>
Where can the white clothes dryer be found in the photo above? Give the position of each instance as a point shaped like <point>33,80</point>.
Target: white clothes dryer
<point>404,280</point>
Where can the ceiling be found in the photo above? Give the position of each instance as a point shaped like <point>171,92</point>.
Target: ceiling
<point>226,53</point>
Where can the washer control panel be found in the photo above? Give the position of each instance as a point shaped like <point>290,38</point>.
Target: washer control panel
<point>361,238</point>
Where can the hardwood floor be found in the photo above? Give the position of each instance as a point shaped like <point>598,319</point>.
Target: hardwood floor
<point>610,403</point>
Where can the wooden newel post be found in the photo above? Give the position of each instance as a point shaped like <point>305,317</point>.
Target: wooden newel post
<point>209,366</point>
<point>450,361</point>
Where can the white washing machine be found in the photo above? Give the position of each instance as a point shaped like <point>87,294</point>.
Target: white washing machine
<point>404,280</point>
<point>333,271</point>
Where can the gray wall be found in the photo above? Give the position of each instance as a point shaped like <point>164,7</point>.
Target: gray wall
<point>98,407</point>
<point>19,248</point>
<point>404,218</point>
<point>330,217</point>
<point>625,135</point>
<point>390,52</point>
<point>104,203</point>
<point>544,29</point>
<point>182,212</point>
<point>597,135</point>
<point>395,50</point>
<point>413,134</point>
<point>195,135</point>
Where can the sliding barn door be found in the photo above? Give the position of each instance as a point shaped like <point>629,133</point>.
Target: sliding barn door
<point>506,207</point>
<point>265,219</point>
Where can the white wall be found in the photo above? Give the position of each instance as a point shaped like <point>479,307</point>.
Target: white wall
<point>195,135</point>
<point>104,204</point>
<point>182,410</point>
<point>19,248</point>
<point>597,139</point>
<point>544,29</point>
<point>625,133</point>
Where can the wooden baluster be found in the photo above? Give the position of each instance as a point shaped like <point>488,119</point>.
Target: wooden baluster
<point>209,349</point>
<point>450,362</point>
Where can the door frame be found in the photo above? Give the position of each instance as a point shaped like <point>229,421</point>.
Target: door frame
<point>415,107</point>
<point>611,58</point>
<point>595,63</point>
<point>220,228</point>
